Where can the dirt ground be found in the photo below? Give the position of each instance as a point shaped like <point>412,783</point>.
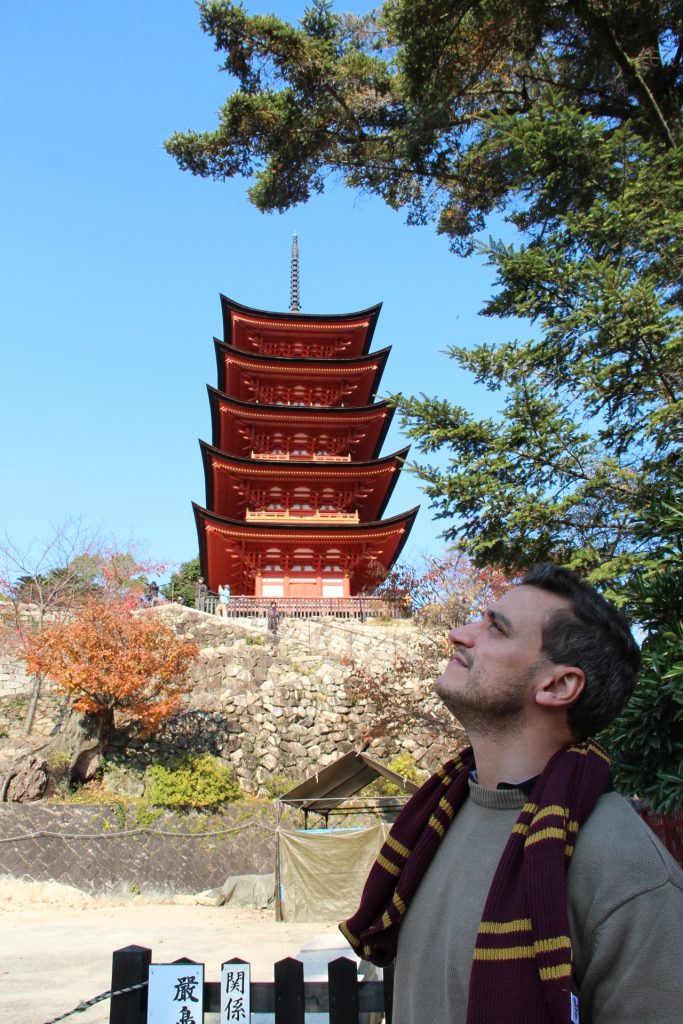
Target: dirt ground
<point>56,945</point>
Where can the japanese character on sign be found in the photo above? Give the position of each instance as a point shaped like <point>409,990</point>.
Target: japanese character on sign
<point>235,1009</point>
<point>235,992</point>
<point>235,982</point>
<point>184,989</point>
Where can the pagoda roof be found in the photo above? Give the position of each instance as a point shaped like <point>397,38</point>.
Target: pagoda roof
<point>224,544</point>
<point>354,330</point>
<point>373,419</point>
<point>376,478</point>
<point>370,366</point>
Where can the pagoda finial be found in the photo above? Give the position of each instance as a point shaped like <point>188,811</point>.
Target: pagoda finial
<point>294,282</point>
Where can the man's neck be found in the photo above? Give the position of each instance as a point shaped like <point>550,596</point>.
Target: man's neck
<point>504,758</point>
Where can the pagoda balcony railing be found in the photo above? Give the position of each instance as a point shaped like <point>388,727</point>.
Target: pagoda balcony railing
<point>286,457</point>
<point>300,515</point>
<point>361,607</point>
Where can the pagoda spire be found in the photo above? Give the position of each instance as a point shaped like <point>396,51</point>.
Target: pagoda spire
<point>294,305</point>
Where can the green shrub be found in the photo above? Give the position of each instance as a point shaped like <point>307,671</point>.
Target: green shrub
<point>403,764</point>
<point>58,761</point>
<point>278,784</point>
<point>197,780</point>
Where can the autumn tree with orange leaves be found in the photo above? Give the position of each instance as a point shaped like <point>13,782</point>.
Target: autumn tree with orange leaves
<point>122,666</point>
<point>48,581</point>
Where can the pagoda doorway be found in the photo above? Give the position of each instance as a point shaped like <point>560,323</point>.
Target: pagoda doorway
<point>302,586</point>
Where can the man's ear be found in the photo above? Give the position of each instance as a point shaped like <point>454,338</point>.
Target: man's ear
<point>562,687</point>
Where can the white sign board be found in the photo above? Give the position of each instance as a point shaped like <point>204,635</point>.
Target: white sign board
<point>176,994</point>
<point>235,993</point>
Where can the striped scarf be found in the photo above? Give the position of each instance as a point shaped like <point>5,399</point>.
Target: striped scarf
<point>522,965</point>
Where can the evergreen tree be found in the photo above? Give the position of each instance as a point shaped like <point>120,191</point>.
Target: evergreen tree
<point>399,101</point>
<point>182,582</point>
<point>590,423</point>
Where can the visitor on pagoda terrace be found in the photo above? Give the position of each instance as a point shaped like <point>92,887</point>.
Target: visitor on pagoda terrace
<point>223,599</point>
<point>200,592</point>
<point>274,616</point>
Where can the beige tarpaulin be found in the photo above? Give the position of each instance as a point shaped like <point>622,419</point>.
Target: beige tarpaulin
<point>322,872</point>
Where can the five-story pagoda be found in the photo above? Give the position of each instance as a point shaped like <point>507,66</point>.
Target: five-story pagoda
<point>295,485</point>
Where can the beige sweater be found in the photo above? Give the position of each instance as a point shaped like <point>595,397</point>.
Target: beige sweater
<point>625,899</point>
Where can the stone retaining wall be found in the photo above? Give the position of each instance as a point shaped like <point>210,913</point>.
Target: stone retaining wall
<point>282,707</point>
<point>268,706</point>
<point>13,676</point>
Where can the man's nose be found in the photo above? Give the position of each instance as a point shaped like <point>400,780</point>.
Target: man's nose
<point>463,636</point>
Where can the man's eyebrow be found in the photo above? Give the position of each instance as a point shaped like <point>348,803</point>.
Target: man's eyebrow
<point>501,620</point>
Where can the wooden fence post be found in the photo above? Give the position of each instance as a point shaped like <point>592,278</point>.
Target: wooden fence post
<point>342,978</point>
<point>130,966</point>
<point>289,992</point>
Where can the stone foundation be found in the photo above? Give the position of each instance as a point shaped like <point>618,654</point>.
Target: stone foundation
<point>267,706</point>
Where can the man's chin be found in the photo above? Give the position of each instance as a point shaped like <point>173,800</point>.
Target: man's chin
<point>448,693</point>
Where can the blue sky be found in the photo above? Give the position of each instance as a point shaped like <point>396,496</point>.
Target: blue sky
<point>112,261</point>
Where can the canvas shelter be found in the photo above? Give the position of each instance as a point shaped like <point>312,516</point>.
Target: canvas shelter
<point>320,871</point>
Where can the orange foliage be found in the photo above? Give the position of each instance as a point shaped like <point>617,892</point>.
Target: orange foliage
<point>113,662</point>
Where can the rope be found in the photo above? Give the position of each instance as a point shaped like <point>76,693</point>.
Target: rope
<point>96,999</point>
<point>44,834</point>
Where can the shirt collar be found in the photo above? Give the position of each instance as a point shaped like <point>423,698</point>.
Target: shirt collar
<point>526,786</point>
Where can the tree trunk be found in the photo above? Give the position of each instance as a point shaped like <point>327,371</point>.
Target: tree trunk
<point>83,738</point>
<point>32,705</point>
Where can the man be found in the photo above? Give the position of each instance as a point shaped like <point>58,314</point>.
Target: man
<point>200,592</point>
<point>549,900</point>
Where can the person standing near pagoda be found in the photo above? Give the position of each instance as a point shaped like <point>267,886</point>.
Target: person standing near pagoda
<point>200,592</point>
<point>274,616</point>
<point>516,887</point>
<point>223,599</point>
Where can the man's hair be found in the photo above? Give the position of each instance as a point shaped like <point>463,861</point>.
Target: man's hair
<point>596,637</point>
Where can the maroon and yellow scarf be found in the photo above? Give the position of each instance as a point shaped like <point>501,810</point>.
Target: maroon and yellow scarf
<point>522,966</point>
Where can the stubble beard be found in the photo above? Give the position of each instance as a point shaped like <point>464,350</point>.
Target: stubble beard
<point>484,713</point>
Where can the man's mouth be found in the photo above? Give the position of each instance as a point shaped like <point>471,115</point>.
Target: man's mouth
<point>461,658</point>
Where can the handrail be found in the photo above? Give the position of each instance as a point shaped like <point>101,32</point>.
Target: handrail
<point>289,457</point>
<point>359,607</point>
<point>284,515</point>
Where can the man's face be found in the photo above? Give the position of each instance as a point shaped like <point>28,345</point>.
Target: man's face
<point>489,681</point>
